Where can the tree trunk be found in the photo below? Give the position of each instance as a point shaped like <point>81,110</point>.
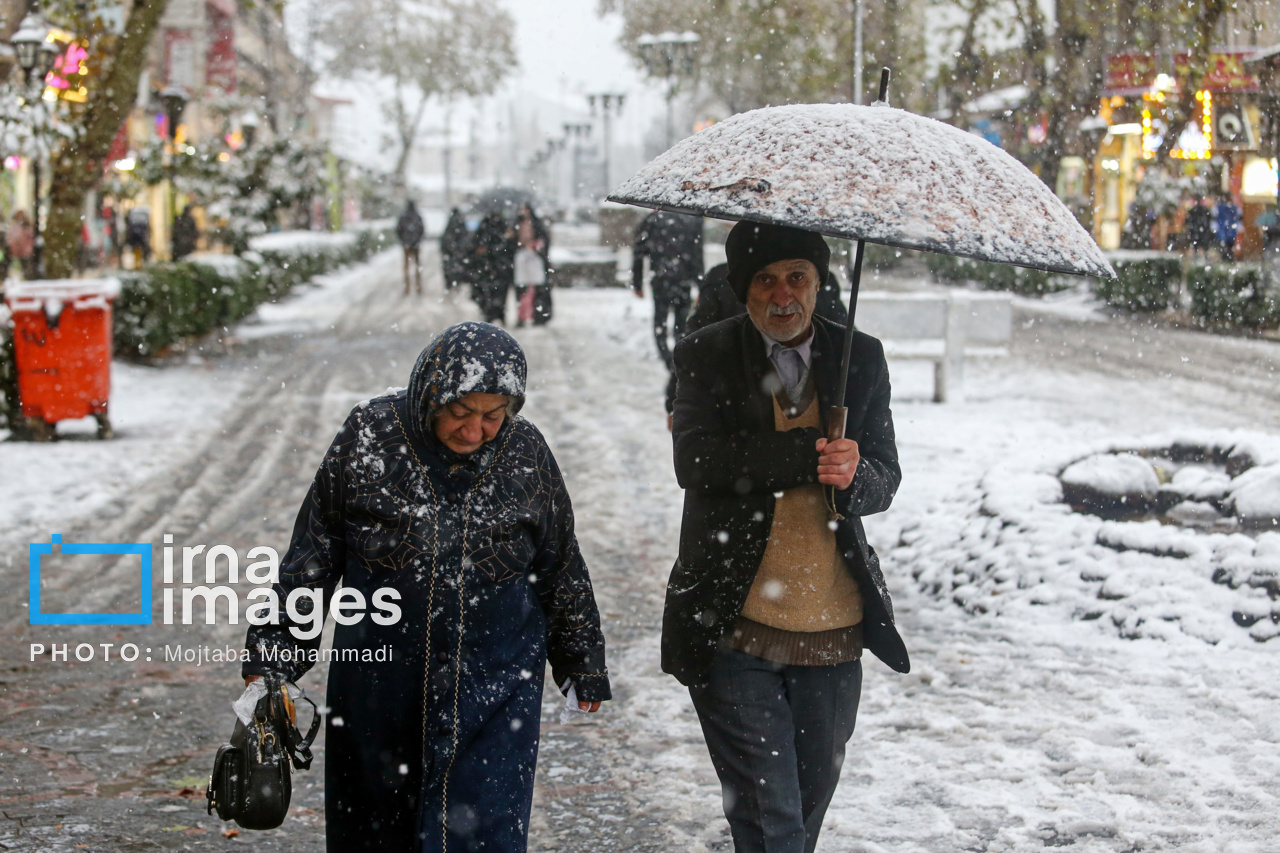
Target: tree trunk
<point>77,168</point>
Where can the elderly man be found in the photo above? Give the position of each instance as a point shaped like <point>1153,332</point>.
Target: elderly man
<point>776,591</point>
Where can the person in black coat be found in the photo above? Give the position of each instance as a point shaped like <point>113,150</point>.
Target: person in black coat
<point>673,244</point>
<point>444,496</point>
<point>454,245</point>
<point>495,266</point>
<point>770,603</point>
<point>410,230</point>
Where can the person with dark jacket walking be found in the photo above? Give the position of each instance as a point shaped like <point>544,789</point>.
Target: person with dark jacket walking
<point>186,234</point>
<point>776,592</point>
<point>454,245</point>
<point>673,244</point>
<point>444,495</point>
<point>410,230</point>
<point>1199,229</point>
<point>494,256</point>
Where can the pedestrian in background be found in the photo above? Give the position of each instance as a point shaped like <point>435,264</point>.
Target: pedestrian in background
<point>137,234</point>
<point>21,240</point>
<point>186,234</point>
<point>533,244</point>
<point>453,250</point>
<point>409,230</point>
<point>776,591</point>
<point>1226,223</point>
<point>673,244</point>
<point>445,495</point>
<point>494,254</point>
<point>1198,227</point>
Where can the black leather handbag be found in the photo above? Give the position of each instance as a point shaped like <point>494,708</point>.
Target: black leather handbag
<point>250,781</point>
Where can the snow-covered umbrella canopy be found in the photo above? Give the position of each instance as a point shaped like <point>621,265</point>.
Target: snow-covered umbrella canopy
<point>871,173</point>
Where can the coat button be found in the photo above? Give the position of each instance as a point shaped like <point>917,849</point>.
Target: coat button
<point>446,729</point>
<point>443,657</point>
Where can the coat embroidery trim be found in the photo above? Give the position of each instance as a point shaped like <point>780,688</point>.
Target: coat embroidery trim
<point>462,595</point>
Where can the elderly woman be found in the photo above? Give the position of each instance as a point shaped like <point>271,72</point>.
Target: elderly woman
<point>443,493</point>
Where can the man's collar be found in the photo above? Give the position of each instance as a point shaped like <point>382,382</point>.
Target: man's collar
<point>805,347</point>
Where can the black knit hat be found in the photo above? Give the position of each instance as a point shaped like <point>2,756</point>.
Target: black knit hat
<point>752,246</point>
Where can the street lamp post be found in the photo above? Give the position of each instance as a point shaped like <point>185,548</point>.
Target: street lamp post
<point>669,55</point>
<point>610,104</point>
<point>36,56</point>
<point>577,131</point>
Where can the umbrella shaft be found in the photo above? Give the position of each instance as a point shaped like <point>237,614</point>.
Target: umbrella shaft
<point>855,279</point>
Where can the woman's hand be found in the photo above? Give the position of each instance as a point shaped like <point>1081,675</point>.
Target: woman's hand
<point>589,707</point>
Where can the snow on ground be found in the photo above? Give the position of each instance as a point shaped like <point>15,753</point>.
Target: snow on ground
<point>78,474</point>
<point>320,303</point>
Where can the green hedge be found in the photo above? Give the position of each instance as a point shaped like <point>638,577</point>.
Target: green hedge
<point>1233,295</point>
<point>1145,281</point>
<point>993,276</point>
<point>167,303</point>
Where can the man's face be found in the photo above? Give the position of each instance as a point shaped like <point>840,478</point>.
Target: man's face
<point>780,300</point>
<point>467,423</point>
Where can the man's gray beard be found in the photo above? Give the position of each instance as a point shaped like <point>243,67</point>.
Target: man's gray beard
<point>769,336</point>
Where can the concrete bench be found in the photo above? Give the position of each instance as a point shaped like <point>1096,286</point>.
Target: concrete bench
<point>938,327</point>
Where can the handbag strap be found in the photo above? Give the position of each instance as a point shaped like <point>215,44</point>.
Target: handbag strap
<point>297,746</point>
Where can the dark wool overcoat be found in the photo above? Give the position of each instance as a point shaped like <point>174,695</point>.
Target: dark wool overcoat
<point>730,460</point>
<point>434,750</point>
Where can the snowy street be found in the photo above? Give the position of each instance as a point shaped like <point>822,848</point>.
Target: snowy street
<point>1031,718</point>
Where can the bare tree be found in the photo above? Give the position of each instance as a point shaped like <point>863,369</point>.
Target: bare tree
<point>754,53</point>
<point>425,48</point>
<point>115,62</point>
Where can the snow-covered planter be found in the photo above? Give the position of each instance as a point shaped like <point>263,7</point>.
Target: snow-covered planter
<point>167,303</point>
<point>1209,574</point>
<point>1233,295</point>
<point>1145,281</point>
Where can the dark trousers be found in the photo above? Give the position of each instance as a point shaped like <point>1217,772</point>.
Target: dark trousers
<point>491,296</point>
<point>777,736</point>
<point>411,257</point>
<point>673,299</point>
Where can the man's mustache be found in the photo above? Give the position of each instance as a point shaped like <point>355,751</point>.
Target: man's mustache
<point>782,310</point>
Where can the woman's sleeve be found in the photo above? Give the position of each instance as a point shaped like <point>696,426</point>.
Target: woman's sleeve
<point>575,643</point>
<point>315,560</point>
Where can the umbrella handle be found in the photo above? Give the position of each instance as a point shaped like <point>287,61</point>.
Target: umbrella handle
<point>837,419</point>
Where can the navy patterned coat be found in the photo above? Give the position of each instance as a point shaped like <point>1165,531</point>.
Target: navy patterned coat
<point>434,750</point>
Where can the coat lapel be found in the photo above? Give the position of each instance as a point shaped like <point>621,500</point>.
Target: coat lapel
<point>755,368</point>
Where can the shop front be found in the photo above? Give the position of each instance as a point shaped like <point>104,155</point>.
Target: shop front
<point>1169,145</point>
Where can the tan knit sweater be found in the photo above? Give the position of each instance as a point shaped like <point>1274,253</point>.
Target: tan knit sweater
<point>803,586</point>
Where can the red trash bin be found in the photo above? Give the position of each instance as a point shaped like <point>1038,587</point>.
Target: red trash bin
<point>62,348</point>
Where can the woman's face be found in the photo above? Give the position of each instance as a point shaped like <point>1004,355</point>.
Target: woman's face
<point>466,424</point>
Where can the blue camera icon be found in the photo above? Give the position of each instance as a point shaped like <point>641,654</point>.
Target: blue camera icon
<point>142,549</point>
